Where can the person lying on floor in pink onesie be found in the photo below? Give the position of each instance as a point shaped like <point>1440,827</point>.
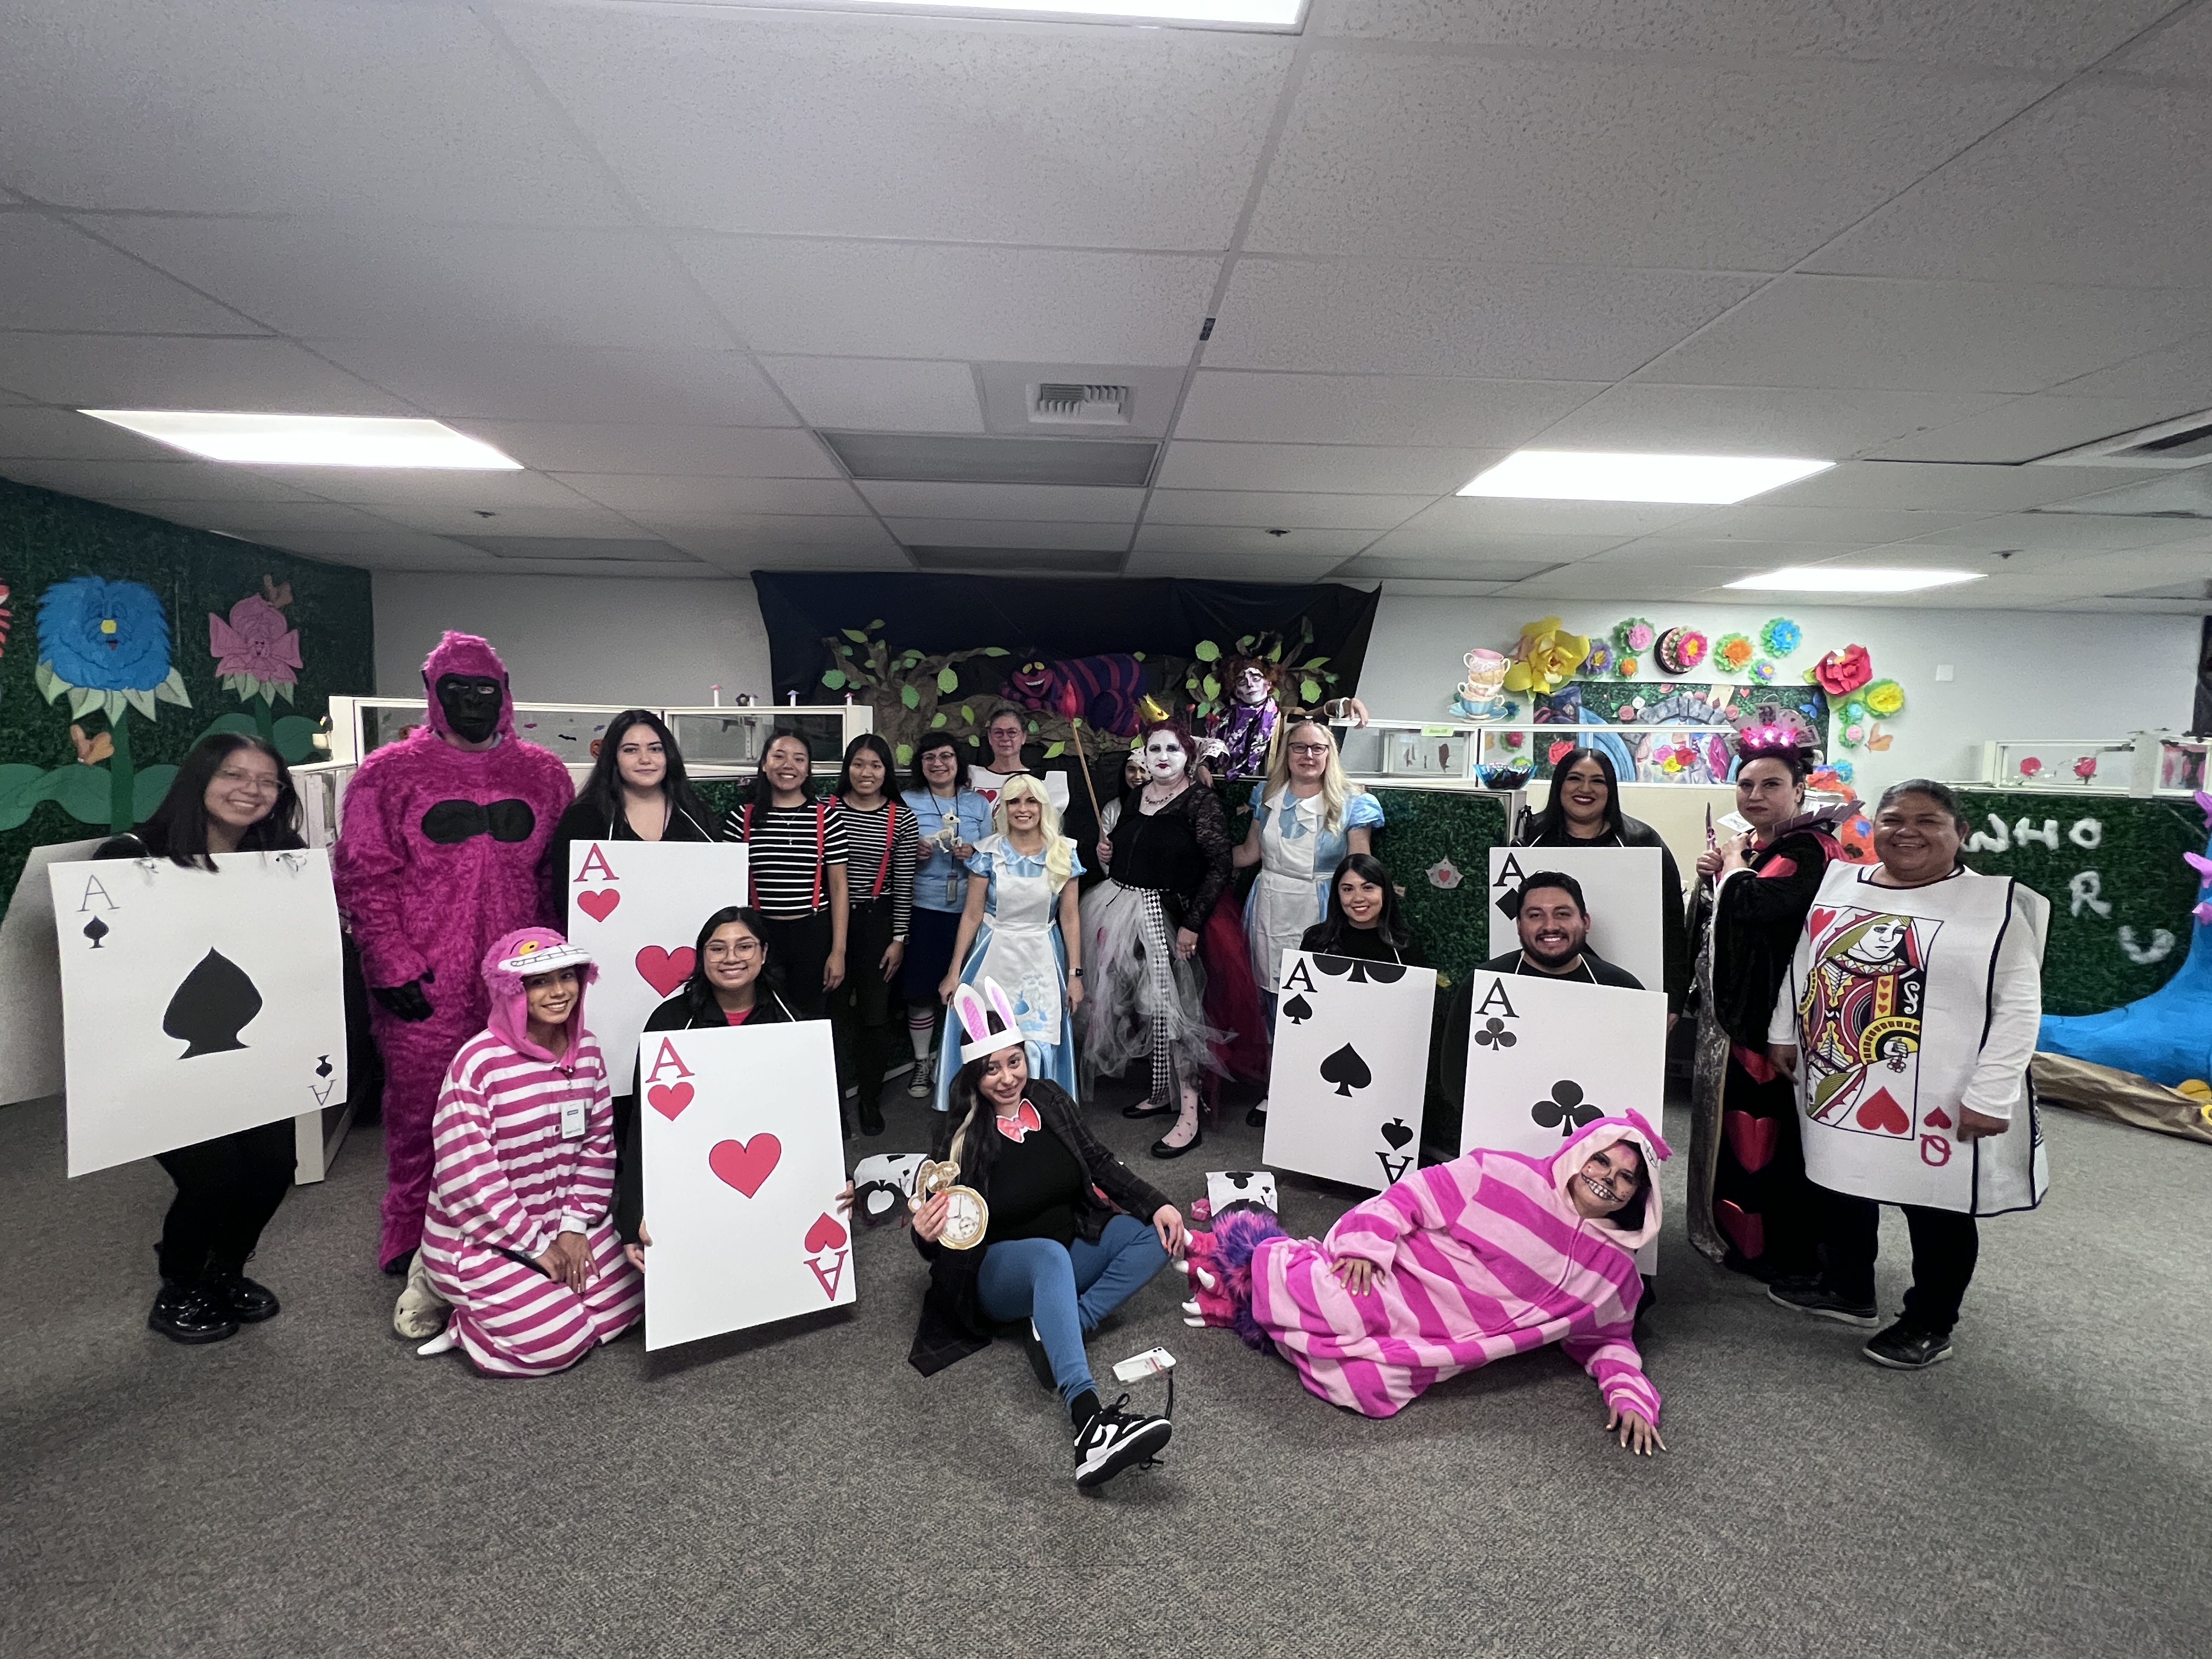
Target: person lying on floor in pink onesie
<point>1457,1265</point>
<point>518,1236</point>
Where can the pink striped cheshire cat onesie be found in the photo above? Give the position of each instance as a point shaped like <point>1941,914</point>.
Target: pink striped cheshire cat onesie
<point>504,1182</point>
<point>1478,1258</point>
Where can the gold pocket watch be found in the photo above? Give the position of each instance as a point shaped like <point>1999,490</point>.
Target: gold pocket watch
<point>967,1217</point>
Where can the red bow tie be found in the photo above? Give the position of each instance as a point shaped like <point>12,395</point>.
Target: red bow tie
<point>1017,1127</point>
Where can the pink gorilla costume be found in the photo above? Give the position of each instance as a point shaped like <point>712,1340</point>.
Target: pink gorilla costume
<point>438,857</point>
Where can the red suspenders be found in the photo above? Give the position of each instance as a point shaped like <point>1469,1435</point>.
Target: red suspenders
<point>821,849</point>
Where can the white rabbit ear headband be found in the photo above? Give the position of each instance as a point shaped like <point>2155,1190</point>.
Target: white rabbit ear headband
<point>978,1016</point>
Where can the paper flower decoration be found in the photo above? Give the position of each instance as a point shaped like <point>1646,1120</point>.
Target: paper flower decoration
<point>1831,778</point>
<point>1599,662</point>
<point>1841,672</point>
<point>2030,766</point>
<point>1885,699</point>
<point>1634,637</point>
<point>107,645</point>
<point>1545,656</point>
<point>256,654</point>
<point>1732,655</point>
<point>1681,649</point>
<point>2086,768</point>
<point>1559,750</point>
<point>1627,668</point>
<point>1780,637</point>
<point>1852,735</point>
<point>6,617</point>
<point>1630,712</point>
<point>1763,671</point>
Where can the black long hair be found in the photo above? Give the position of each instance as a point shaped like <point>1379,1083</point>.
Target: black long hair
<point>873,742</point>
<point>764,791</point>
<point>939,740</point>
<point>1944,796</point>
<point>1550,825</point>
<point>698,990</point>
<point>603,788</point>
<point>1629,1216</point>
<point>968,1114</point>
<point>177,829</point>
<point>1390,925</point>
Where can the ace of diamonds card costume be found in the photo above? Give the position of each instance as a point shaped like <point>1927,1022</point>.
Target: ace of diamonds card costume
<point>438,856</point>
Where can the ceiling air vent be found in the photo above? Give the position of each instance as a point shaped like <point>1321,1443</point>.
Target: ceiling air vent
<point>2181,442</point>
<point>1059,403</point>
<point>900,457</point>
<point>589,550</point>
<point>1027,561</point>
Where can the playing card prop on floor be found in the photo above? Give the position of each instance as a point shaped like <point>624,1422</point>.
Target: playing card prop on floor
<point>744,1161</point>
<point>1351,1068</point>
<point>636,907</point>
<point>1620,884</point>
<point>196,1003</point>
<point>1227,1186</point>
<point>1891,989</point>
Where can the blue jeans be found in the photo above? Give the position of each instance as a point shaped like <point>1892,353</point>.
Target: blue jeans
<point>1067,1290</point>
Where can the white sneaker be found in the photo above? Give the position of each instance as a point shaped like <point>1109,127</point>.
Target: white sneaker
<point>1114,1439</point>
<point>420,1311</point>
<point>444,1342</point>
<point>925,1078</point>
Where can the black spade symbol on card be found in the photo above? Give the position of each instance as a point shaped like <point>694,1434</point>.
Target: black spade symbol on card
<point>1565,1111</point>
<point>1298,1011</point>
<point>322,1065</point>
<point>215,1002</point>
<point>96,930</point>
<point>1396,1133</point>
<point>1346,1069</point>
<point>1493,1035</point>
<point>1381,973</point>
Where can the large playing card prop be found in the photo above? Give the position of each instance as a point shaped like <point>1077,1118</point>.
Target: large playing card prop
<point>196,1003</point>
<point>1623,887</point>
<point>636,907</point>
<point>744,1161</point>
<point>1350,1079</point>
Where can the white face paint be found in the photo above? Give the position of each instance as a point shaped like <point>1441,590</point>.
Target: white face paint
<point>1251,686</point>
<point>1164,759</point>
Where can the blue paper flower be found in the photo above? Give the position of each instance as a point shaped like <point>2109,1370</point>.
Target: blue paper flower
<point>1781,636</point>
<point>106,644</point>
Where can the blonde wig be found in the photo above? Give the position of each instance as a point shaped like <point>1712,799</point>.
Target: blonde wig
<point>1058,860</point>
<point>1334,785</point>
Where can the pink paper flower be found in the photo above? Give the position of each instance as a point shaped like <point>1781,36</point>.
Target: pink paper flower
<point>256,645</point>
<point>1841,672</point>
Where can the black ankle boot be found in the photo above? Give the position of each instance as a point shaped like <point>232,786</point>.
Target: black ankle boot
<point>247,1303</point>
<point>190,1314</point>
<point>871,1115</point>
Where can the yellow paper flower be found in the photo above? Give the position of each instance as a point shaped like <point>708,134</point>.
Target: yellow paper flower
<point>1545,656</point>
<point>1884,699</point>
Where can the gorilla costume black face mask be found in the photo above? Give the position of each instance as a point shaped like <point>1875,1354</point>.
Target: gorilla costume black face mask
<point>471,703</point>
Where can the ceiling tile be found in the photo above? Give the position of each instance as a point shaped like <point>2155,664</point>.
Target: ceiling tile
<point>62,434</point>
<point>1909,484</point>
<point>1008,532</point>
<point>1233,567</point>
<point>379,487</point>
<point>388,547</point>
<point>1431,539</point>
<point>1049,503</point>
<point>2056,36</point>
<point>567,383</point>
<point>155,481</point>
<point>880,394</point>
<point>1651,554</point>
<point>261,521</point>
<point>2027,428</point>
<point>901,300</point>
<point>2066,532</point>
<point>1498,515</point>
<point>572,518</point>
<point>675,499</point>
<point>724,452</point>
<point>121,371</point>
<point>279,106</point>
<point>881,126</point>
<point>743,534</point>
<point>1326,468</point>
<point>2068,193</point>
<point>1758,521</point>
<point>52,275</point>
<point>772,556</point>
<point>1583,161</point>
<point>1271,509</point>
<point>1927,337</point>
<point>1705,420</point>
<point>2180,374</point>
<point>1244,542</point>
<point>1407,317</point>
<point>345,280</point>
<point>1367,409</point>
<point>1417,589</point>
<point>1487,571</point>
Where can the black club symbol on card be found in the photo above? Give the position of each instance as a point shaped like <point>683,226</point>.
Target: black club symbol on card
<point>1381,973</point>
<point>1298,1011</point>
<point>1565,1111</point>
<point>1493,1035</point>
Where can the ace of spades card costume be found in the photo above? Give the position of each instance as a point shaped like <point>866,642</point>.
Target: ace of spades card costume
<point>439,855</point>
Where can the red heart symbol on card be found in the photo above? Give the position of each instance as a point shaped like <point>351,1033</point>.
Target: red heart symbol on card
<point>826,1234</point>
<point>669,1099</point>
<point>745,1165</point>
<point>664,970</point>
<point>1751,1138</point>
<point>600,904</point>
<point>1746,1232</point>
<point>1884,1116</point>
<point>1818,921</point>
<point>1937,1119</point>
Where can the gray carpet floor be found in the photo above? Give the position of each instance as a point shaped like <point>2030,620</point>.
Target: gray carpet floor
<point>311,1488</point>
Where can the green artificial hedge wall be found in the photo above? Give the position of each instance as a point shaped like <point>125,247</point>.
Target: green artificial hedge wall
<point>56,785</point>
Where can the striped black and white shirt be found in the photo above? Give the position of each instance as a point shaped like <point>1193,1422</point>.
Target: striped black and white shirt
<point>873,871</point>
<point>792,849</point>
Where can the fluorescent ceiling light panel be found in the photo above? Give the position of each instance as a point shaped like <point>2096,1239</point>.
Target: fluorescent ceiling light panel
<point>1853,579</point>
<point>312,439</point>
<point>1575,475</point>
<point>1273,15</point>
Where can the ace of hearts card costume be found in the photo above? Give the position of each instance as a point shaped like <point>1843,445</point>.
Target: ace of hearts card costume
<point>438,855</point>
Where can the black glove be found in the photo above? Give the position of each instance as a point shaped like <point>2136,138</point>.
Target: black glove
<point>407,1002</point>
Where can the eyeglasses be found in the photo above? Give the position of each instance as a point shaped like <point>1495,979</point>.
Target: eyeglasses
<point>1309,749</point>
<point>254,781</point>
<point>744,947</point>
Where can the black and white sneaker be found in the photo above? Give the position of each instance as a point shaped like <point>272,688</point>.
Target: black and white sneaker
<point>1811,1297</point>
<point>1114,1440</point>
<point>1901,1348</point>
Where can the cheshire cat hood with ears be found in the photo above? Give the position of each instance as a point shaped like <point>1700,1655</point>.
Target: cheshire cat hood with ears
<point>470,654</point>
<point>520,956</point>
<point>1594,1138</point>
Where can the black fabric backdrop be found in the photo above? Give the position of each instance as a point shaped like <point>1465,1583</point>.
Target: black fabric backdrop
<point>1049,618</point>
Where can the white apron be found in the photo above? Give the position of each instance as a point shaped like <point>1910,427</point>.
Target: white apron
<point>1284,903</point>
<point>1892,988</point>
<point>1019,952</point>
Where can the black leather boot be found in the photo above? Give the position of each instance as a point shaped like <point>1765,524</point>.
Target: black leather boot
<point>247,1303</point>
<point>190,1314</point>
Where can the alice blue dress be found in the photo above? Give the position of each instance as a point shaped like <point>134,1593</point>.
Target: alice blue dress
<point>1019,945</point>
<point>1298,856</point>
